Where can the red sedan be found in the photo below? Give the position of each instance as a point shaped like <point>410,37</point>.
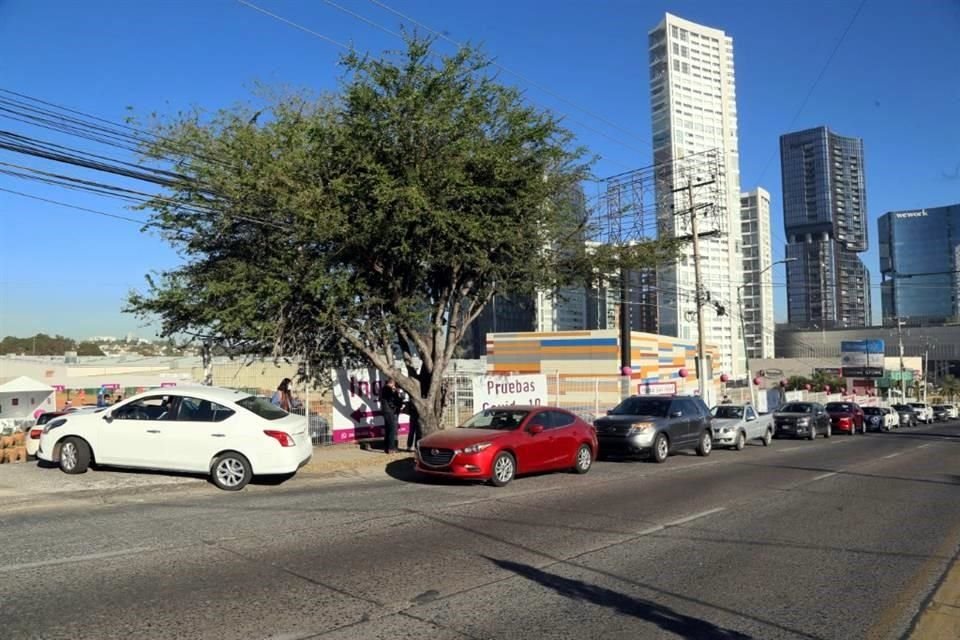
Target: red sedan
<point>846,416</point>
<point>501,442</point>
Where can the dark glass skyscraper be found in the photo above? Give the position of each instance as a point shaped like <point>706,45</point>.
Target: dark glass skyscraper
<point>919,261</point>
<point>825,219</point>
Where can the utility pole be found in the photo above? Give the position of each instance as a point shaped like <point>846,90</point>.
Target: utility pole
<point>701,348</point>
<point>903,381</point>
<point>926,361</point>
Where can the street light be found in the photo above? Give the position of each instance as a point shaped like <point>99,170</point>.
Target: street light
<point>743,326</point>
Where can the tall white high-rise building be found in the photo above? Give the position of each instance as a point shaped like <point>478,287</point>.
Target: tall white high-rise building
<point>694,111</point>
<point>757,307</point>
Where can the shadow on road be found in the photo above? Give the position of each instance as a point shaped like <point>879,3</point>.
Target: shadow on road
<point>664,617</point>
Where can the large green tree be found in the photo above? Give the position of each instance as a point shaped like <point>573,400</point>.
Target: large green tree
<point>370,226</point>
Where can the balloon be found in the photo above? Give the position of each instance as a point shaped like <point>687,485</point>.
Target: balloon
<point>626,371</point>
<point>756,381</point>
<point>826,388</point>
<point>683,373</point>
<point>807,387</point>
<point>724,377</point>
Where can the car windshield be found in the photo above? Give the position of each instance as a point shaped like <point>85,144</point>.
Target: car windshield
<point>873,411</point>
<point>502,419</point>
<point>262,407</point>
<point>917,405</point>
<point>728,411</point>
<point>640,406</point>
<point>797,407</point>
<point>839,406</point>
<point>902,407</point>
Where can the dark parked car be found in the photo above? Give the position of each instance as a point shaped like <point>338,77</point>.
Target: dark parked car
<point>941,413</point>
<point>880,418</point>
<point>907,414</point>
<point>846,416</point>
<point>656,426</point>
<point>801,420</point>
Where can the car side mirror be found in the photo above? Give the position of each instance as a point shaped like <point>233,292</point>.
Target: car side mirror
<point>751,418</point>
<point>108,417</point>
<point>534,429</point>
<point>676,414</point>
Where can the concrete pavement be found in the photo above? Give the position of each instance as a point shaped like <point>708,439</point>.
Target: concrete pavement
<point>840,538</point>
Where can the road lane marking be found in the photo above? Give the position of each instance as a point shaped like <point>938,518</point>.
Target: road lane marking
<point>695,516</point>
<point>924,446</point>
<point>647,532</point>
<point>892,455</point>
<point>790,449</point>
<point>72,559</point>
<point>823,476</point>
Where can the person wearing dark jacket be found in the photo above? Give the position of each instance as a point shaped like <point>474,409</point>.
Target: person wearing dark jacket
<point>390,405</point>
<point>413,435</point>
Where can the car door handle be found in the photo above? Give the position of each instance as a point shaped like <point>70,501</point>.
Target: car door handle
<point>153,430</point>
<point>218,435</point>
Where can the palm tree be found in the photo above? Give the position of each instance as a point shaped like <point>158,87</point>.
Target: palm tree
<point>950,386</point>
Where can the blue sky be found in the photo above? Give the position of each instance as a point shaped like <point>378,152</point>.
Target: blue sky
<point>894,81</point>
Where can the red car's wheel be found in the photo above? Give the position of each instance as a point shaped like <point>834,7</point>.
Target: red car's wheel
<point>504,469</point>
<point>584,459</point>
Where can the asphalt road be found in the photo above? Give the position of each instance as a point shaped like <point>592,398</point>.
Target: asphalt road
<point>840,538</point>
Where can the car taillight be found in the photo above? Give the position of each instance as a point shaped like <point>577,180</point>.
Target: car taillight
<point>284,438</point>
<point>844,422</point>
<point>35,434</point>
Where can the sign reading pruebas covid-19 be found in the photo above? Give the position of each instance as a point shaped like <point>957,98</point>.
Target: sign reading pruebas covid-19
<point>493,391</point>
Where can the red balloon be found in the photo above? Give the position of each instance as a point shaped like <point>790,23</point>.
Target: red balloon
<point>724,377</point>
<point>756,381</point>
<point>826,388</point>
<point>626,371</point>
<point>807,387</point>
<point>683,373</point>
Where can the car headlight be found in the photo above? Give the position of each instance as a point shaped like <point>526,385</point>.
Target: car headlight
<point>640,427</point>
<point>803,422</point>
<point>476,448</point>
<point>53,424</point>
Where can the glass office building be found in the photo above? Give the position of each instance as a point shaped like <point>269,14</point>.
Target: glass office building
<point>824,216</point>
<point>919,260</point>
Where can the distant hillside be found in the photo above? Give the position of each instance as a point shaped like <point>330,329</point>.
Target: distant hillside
<point>44,345</point>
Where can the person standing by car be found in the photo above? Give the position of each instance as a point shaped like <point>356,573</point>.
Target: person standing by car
<point>413,435</point>
<point>281,397</point>
<point>390,405</point>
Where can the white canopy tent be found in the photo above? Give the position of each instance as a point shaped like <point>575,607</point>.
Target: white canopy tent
<point>22,399</point>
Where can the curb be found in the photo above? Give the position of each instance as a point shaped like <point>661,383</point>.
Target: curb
<point>940,619</point>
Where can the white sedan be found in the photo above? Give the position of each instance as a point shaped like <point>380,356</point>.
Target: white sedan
<point>229,434</point>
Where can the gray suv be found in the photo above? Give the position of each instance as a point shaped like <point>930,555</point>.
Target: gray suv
<point>656,426</point>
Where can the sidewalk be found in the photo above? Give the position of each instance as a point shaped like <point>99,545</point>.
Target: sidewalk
<point>941,619</point>
<point>29,485</point>
<point>340,458</point>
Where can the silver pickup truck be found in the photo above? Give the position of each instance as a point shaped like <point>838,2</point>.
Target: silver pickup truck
<point>734,424</point>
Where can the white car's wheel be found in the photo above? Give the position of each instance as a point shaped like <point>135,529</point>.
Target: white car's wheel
<point>231,471</point>
<point>74,456</point>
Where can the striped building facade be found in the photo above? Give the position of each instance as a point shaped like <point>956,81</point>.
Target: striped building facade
<point>596,354</point>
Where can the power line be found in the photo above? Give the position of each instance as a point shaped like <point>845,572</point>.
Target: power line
<point>810,91</point>
<point>142,223</point>
<point>296,26</point>
<point>516,74</point>
<point>385,29</point>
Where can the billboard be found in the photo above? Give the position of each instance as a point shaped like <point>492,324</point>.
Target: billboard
<point>356,406</point>
<point>862,358</point>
